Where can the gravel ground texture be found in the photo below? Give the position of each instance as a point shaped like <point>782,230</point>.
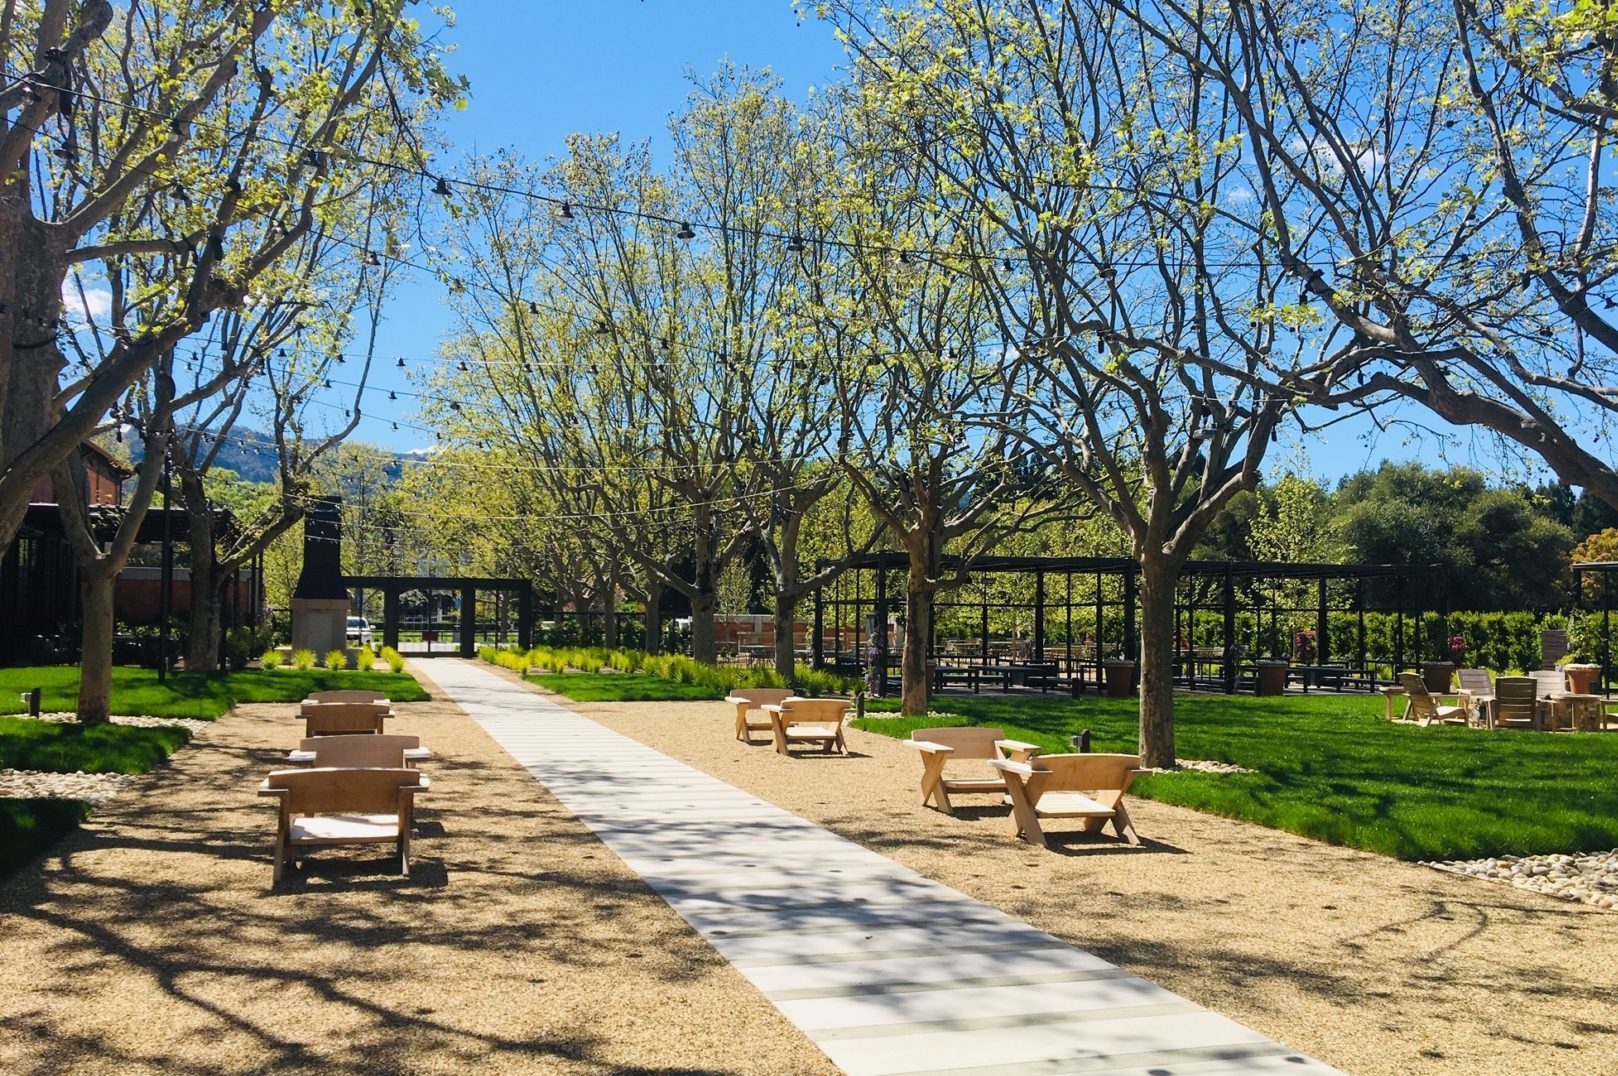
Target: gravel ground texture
<point>1367,963</point>
<point>94,788</point>
<point>1591,878</point>
<point>151,940</point>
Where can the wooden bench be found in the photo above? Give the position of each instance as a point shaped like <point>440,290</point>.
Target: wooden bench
<point>938,746</point>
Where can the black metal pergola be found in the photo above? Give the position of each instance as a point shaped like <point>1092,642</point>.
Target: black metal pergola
<point>1272,595</point>
<point>392,586</point>
<point>1606,571</point>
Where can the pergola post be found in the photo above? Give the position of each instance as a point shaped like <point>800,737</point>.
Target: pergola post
<point>1359,610</point>
<point>880,640</point>
<point>817,646</point>
<point>1228,598</point>
<point>390,617</point>
<point>525,616</point>
<point>983,622</point>
<point>1131,586</point>
<point>1096,654</point>
<point>1398,624</point>
<point>469,622</point>
<point>1039,615</point>
<point>1322,629</point>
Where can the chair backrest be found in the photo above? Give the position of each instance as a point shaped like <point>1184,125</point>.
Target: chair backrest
<point>346,695</point>
<point>360,750</point>
<point>336,718</point>
<point>334,790</point>
<point>796,711</point>
<point>1514,699</point>
<point>1475,681</point>
<point>1414,685</point>
<point>968,741</point>
<point>1549,681</point>
<point>761,696</point>
<point>1084,773</point>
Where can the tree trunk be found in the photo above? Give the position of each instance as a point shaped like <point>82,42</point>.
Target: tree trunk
<point>95,660</point>
<point>609,607</point>
<point>652,631</point>
<point>704,647</point>
<point>207,590</point>
<point>786,607</point>
<point>1157,581</point>
<point>917,687</point>
<point>31,273</point>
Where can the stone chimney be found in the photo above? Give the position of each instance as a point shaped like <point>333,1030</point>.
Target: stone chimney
<point>320,602</point>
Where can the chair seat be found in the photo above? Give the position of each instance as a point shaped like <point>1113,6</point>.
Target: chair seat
<point>344,829</point>
<point>1071,805</point>
<point>975,784</point>
<point>811,732</point>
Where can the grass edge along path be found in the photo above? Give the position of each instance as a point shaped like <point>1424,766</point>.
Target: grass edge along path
<point>1331,769</point>
<point>30,826</point>
<point>65,747</point>
<point>205,696</point>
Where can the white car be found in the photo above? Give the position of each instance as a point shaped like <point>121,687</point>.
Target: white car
<point>359,631</point>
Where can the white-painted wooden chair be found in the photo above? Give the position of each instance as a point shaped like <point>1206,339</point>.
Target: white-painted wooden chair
<point>386,751</point>
<point>343,718</point>
<point>1425,706</point>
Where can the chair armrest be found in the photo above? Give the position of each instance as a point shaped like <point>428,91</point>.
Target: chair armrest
<point>929,747</point>
<point>1005,765</point>
<point>264,789</point>
<point>300,756</point>
<point>1009,746</point>
<point>417,754</point>
<point>733,700</point>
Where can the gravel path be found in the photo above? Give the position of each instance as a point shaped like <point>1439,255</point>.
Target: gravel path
<point>151,941</point>
<point>1364,962</point>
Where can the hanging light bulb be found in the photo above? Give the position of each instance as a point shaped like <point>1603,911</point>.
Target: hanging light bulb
<point>564,212</point>
<point>602,329</point>
<point>441,187</point>
<point>401,363</point>
<point>392,395</point>
<point>314,158</point>
<point>533,308</point>
<point>371,259</point>
<point>462,366</point>
<point>328,382</point>
<point>395,427</point>
<point>795,245</point>
<point>685,231</point>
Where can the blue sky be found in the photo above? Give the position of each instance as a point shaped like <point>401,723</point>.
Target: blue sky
<point>540,71</point>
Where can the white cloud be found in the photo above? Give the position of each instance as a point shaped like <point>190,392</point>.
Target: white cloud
<point>93,306</point>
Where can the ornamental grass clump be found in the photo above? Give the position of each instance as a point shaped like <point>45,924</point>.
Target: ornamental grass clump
<point>303,660</point>
<point>270,659</point>
<point>394,659</point>
<point>336,660</point>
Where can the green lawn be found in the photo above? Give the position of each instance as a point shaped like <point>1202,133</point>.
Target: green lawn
<point>197,695</point>
<point>621,687</point>
<point>1331,768</point>
<point>26,744</point>
<point>28,827</point>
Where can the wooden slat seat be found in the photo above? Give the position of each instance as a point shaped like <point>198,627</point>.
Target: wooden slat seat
<point>343,718</point>
<point>339,805</point>
<point>938,746</point>
<point>1085,786</point>
<point>748,699</point>
<point>347,695</point>
<point>809,721</point>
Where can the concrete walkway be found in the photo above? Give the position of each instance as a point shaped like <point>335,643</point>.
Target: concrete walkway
<point>884,969</point>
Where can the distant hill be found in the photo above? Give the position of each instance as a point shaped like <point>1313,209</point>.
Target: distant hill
<point>252,456</point>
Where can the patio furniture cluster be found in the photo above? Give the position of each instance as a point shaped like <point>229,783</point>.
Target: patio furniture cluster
<point>1542,700</point>
<point>356,784</point>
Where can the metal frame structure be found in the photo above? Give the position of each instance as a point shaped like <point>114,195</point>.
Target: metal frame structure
<point>392,586</point>
<point>1225,587</point>
<point>1607,572</point>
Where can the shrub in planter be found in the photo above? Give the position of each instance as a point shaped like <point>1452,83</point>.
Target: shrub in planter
<point>335,660</point>
<point>303,660</point>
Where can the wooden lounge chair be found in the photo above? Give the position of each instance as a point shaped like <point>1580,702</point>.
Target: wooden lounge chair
<point>343,718</point>
<point>1425,706</point>
<point>754,698</point>
<point>371,750</point>
<point>322,807</point>
<point>1516,703</point>
<point>1548,682</point>
<point>939,746</point>
<point>1477,689</point>
<point>1087,787</point>
<point>347,695</point>
<point>809,721</point>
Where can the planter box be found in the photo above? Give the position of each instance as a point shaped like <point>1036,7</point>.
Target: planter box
<point>1120,678</point>
<point>1438,675</point>
<point>1272,678</point>
<point>1581,679</point>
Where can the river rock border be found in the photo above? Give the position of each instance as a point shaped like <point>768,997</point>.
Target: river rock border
<point>1588,877</point>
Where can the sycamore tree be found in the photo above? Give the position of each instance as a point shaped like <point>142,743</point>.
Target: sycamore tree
<point>156,162</point>
<point>1436,178</point>
<point>1102,202</point>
